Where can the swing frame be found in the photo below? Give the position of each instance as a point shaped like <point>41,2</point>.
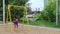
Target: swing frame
<point>9,14</point>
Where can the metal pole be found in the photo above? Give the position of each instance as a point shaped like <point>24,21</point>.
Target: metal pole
<point>27,16</point>
<point>56,12</point>
<point>3,11</point>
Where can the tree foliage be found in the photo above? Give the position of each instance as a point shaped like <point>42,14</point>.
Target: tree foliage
<point>16,12</point>
<point>59,9</point>
<point>1,10</point>
<point>49,13</point>
<point>16,2</point>
<point>1,4</point>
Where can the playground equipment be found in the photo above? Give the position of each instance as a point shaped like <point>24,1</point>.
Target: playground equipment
<point>9,14</point>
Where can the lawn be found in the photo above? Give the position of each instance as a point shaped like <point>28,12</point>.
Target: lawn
<point>43,23</point>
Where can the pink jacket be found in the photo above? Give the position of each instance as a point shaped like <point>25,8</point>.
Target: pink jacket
<point>15,21</point>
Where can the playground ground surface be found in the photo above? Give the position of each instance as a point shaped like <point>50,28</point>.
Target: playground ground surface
<point>33,30</point>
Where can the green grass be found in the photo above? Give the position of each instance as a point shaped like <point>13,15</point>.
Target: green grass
<point>44,23</point>
<point>41,23</point>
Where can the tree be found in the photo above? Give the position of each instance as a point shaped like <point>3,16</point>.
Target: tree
<point>1,9</point>
<point>16,12</point>
<point>1,4</point>
<point>49,13</point>
<point>59,9</point>
<point>15,2</point>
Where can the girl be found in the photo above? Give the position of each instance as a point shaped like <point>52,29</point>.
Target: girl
<point>15,21</point>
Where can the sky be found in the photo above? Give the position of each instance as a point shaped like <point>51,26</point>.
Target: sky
<point>37,4</point>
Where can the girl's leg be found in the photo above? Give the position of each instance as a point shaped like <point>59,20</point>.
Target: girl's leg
<point>14,25</point>
<point>17,25</point>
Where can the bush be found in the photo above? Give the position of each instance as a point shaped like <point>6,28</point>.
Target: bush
<point>25,20</point>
